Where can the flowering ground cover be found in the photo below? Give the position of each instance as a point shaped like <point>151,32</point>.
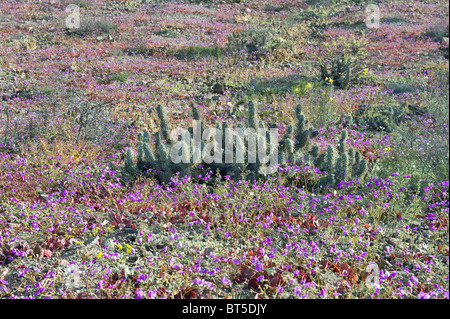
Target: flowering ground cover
<point>73,100</point>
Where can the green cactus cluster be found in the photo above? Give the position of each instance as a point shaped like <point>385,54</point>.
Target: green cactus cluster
<point>340,73</point>
<point>340,164</point>
<point>242,160</point>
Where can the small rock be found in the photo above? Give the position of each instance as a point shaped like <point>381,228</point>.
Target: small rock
<point>393,241</point>
<point>109,243</point>
<point>132,259</point>
<point>218,88</point>
<point>44,197</point>
<point>92,241</point>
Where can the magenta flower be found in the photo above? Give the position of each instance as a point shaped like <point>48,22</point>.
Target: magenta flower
<point>151,294</point>
<point>225,281</point>
<point>423,295</point>
<point>139,293</point>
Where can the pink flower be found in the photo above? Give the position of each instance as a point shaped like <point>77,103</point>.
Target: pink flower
<point>139,293</point>
<point>225,281</point>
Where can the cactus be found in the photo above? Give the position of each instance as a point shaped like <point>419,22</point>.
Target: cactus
<point>164,122</point>
<point>340,73</point>
<point>346,80</point>
<point>339,163</point>
<point>342,143</point>
<point>130,157</point>
<point>253,117</point>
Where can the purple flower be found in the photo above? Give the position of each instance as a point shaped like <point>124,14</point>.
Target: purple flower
<point>151,294</point>
<point>139,293</point>
<point>100,284</point>
<point>225,281</point>
<point>39,291</point>
<point>259,267</point>
<point>423,295</point>
<point>22,272</point>
<point>297,290</point>
<point>309,284</point>
<point>142,277</point>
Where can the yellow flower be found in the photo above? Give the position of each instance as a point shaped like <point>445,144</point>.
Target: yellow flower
<point>330,80</point>
<point>296,90</point>
<point>308,86</point>
<point>365,71</point>
<point>387,149</point>
<point>128,251</point>
<point>128,246</point>
<point>331,99</point>
<point>99,255</point>
<point>119,246</point>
